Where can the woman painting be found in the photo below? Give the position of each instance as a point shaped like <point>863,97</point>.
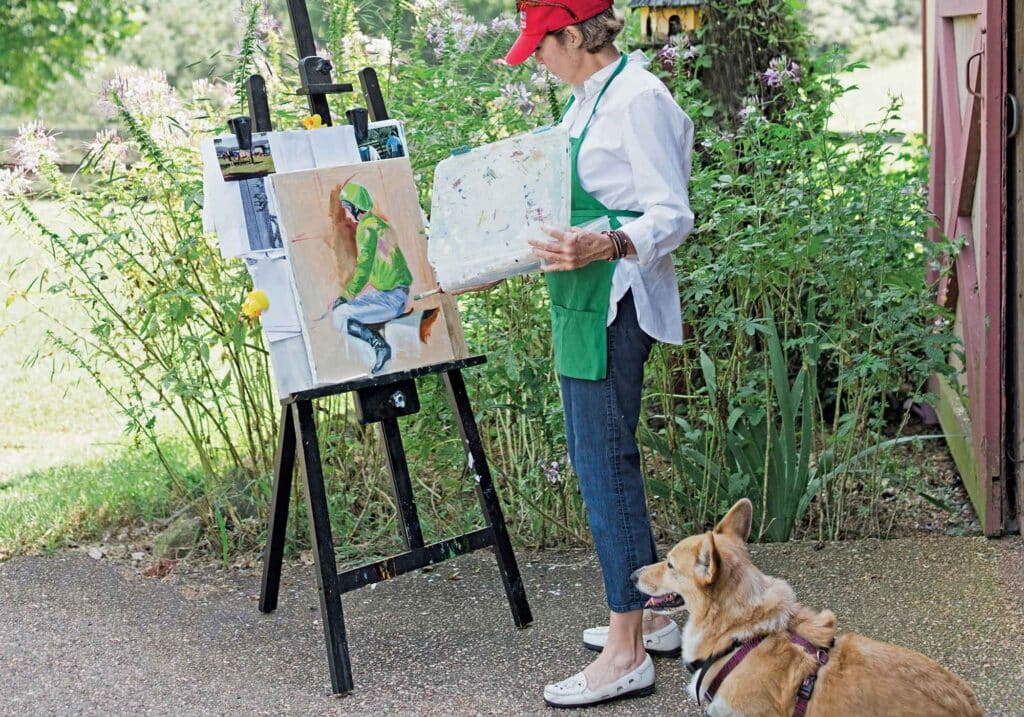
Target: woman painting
<point>613,294</point>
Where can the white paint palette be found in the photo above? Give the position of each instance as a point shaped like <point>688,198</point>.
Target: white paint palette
<point>489,201</point>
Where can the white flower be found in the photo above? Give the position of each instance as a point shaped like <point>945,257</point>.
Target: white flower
<point>144,93</point>
<point>324,53</point>
<point>541,78</point>
<point>918,248</point>
<point>219,93</point>
<point>108,149</point>
<point>504,24</point>
<point>13,183</point>
<point>34,147</point>
<point>448,24</point>
<point>552,471</point>
<point>377,50</point>
<point>267,24</point>
<point>518,93</point>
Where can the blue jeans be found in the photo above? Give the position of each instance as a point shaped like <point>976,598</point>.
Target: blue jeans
<point>373,307</point>
<point>600,429</point>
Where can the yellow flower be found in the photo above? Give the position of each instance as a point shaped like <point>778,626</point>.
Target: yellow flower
<point>911,255</point>
<point>313,122</point>
<point>256,302</point>
<point>919,248</point>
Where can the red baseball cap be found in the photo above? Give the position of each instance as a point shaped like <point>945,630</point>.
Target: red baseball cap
<point>539,17</point>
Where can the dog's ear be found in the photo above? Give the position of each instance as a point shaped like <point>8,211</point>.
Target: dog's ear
<point>706,569</point>
<point>737,521</point>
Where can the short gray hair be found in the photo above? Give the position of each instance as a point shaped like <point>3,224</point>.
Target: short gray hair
<point>601,30</point>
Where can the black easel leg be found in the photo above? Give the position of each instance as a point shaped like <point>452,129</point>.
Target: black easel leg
<point>513,581</point>
<point>408,518</point>
<point>323,544</point>
<point>273,553</point>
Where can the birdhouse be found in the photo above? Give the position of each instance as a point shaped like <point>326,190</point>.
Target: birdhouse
<point>660,20</point>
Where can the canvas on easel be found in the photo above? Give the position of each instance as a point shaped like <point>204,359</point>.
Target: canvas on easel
<point>355,239</point>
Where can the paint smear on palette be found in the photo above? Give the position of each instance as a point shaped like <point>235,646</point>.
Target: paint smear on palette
<point>489,202</point>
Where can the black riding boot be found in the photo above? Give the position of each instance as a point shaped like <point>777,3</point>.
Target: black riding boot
<point>380,346</point>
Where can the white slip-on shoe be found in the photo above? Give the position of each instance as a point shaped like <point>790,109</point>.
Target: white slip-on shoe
<point>664,642</point>
<point>573,692</point>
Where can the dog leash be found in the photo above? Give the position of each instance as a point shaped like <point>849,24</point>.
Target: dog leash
<point>805,691</point>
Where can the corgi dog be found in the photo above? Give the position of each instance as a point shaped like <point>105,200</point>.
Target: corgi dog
<point>754,650</point>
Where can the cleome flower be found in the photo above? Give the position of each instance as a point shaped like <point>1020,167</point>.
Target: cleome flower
<point>218,92</point>
<point>13,183</point>
<point>519,94</point>
<point>108,149</point>
<point>541,78</point>
<point>144,93</point>
<point>552,471</point>
<point>503,23</point>
<point>34,148</point>
<point>449,29</point>
<point>780,70</point>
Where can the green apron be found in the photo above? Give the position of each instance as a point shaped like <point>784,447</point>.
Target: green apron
<point>579,298</point>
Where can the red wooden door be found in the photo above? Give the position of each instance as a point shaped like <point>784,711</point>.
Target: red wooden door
<point>968,198</point>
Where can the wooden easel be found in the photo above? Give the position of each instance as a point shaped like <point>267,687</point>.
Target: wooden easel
<point>378,400</point>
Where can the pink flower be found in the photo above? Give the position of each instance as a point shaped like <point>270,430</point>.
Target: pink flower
<point>504,24</point>
<point>34,147</point>
<point>267,24</point>
<point>108,149</point>
<point>520,95</point>
<point>448,24</point>
<point>541,78</point>
<point>552,471</point>
<point>779,70</point>
<point>13,183</point>
<point>144,93</point>
<point>666,57</point>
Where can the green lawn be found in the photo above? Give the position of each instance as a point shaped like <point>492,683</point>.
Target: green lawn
<point>65,470</point>
<point>875,84</point>
<point>50,412</point>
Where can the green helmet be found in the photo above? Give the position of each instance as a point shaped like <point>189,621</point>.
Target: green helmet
<point>357,195</point>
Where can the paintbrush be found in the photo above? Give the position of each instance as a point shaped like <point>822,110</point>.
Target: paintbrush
<point>425,294</point>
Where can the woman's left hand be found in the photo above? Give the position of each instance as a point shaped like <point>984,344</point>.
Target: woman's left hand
<point>571,249</point>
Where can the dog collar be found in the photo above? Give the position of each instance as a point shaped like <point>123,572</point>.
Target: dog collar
<point>803,694</point>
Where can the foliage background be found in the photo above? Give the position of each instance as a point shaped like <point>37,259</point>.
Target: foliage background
<point>789,389</point>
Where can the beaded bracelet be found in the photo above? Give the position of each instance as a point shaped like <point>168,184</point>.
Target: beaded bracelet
<point>619,245</point>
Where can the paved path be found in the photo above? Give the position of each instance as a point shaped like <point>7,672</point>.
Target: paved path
<point>85,636</point>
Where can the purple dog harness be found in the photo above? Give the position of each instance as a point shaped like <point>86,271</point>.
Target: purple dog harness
<point>803,695</point>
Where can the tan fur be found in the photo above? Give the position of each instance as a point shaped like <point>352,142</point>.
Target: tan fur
<point>728,598</point>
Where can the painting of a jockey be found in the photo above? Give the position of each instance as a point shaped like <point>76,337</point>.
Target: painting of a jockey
<point>355,238</point>
<point>379,289</point>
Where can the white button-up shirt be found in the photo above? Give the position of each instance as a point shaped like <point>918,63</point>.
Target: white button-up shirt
<point>636,156</point>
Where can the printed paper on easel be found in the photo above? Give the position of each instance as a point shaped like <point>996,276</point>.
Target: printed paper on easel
<point>243,213</point>
<point>333,146</point>
<point>356,244</point>
<point>489,202</point>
